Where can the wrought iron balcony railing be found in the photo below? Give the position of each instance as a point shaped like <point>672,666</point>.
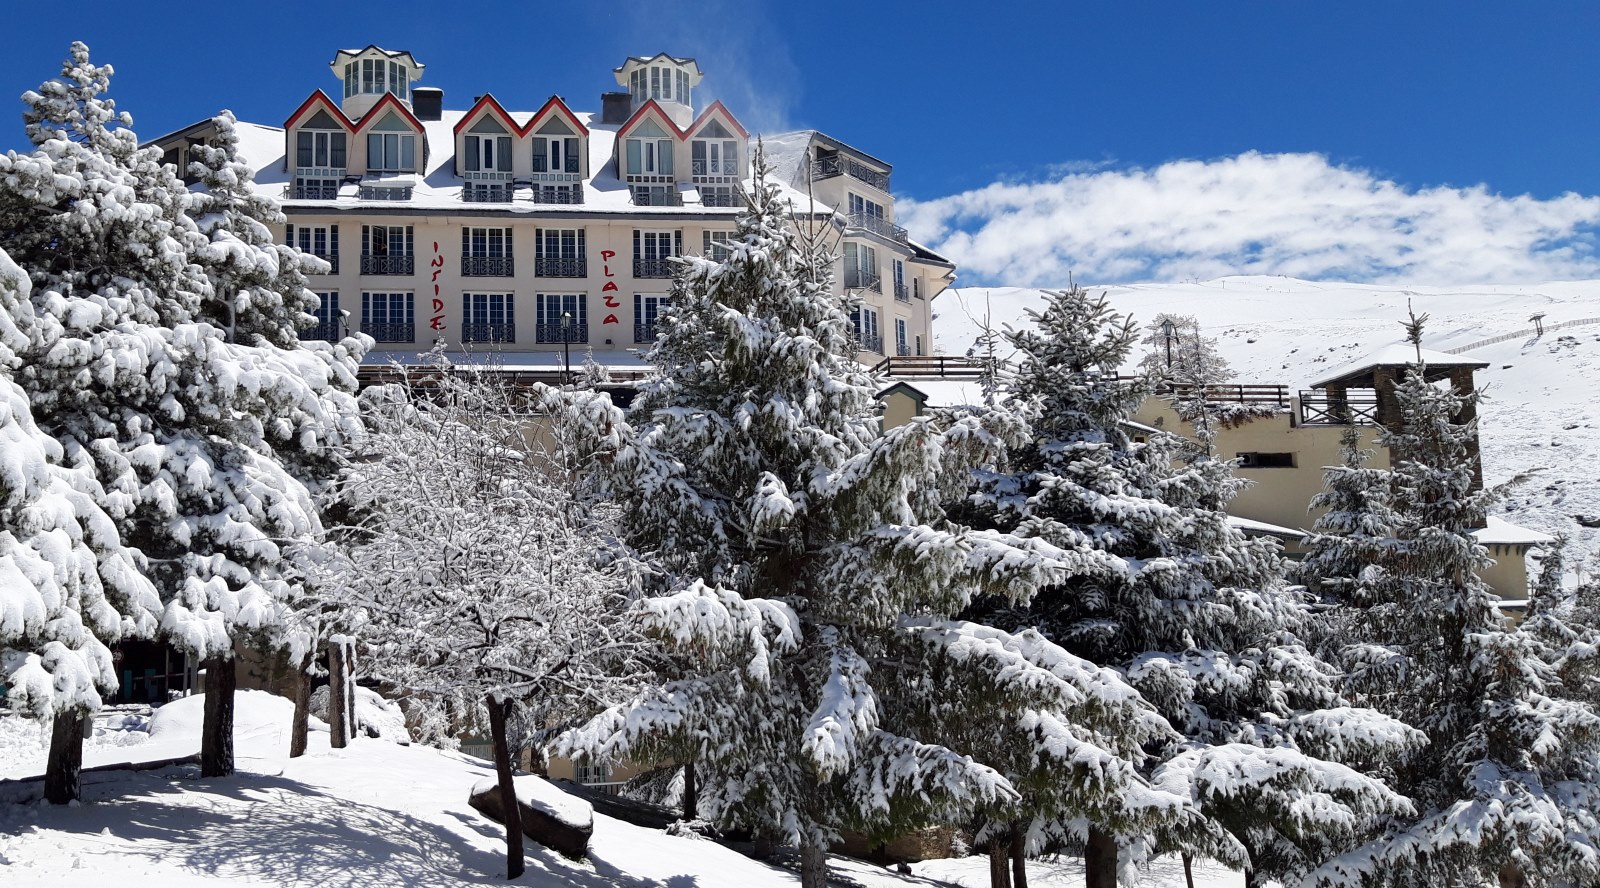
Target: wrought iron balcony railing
<point>390,331</point>
<point>869,343</point>
<point>561,267</point>
<point>856,279</point>
<point>828,167</point>
<point>329,191</point>
<point>719,197</point>
<point>486,266</point>
<point>558,194</point>
<point>657,197</point>
<point>326,331</point>
<point>902,293</point>
<point>652,268</point>
<point>486,193</point>
<point>879,226</point>
<point>492,331</point>
<point>902,350</point>
<point>644,333</point>
<point>388,264</point>
<point>558,333</point>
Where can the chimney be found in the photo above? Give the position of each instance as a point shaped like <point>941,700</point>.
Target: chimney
<point>615,107</point>
<point>427,102</point>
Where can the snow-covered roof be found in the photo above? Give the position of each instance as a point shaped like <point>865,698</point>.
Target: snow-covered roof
<point>1262,528</point>
<point>1498,531</point>
<point>940,392</point>
<point>1397,354</point>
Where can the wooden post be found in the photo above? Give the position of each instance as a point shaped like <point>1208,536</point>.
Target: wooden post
<point>216,733</point>
<point>338,697</point>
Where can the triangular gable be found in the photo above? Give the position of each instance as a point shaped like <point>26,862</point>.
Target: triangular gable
<point>318,100</point>
<point>322,120</point>
<point>389,100</point>
<point>493,106</point>
<point>556,107</point>
<point>720,112</point>
<point>649,110</point>
<point>490,123</point>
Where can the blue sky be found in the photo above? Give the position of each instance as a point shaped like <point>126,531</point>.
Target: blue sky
<point>1059,113</point>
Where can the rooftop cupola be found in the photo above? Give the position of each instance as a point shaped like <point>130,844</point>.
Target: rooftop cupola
<point>669,81</point>
<point>370,74</point>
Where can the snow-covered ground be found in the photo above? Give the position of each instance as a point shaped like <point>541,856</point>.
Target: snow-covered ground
<point>374,813</point>
<point>1542,411</point>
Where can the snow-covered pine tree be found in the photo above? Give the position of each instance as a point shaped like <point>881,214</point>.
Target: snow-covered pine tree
<point>1357,523</point>
<point>198,442</point>
<point>805,572</point>
<point>1197,617</point>
<point>1194,357</point>
<point>1509,782</point>
<point>68,587</point>
<point>472,581</point>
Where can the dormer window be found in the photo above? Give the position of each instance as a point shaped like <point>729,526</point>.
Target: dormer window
<point>661,83</point>
<point>376,77</point>
<point>555,148</point>
<point>649,151</point>
<point>714,152</point>
<point>391,147</point>
<point>487,147</point>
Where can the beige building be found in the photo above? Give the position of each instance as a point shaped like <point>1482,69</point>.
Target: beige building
<point>537,235</point>
<point>1282,440</point>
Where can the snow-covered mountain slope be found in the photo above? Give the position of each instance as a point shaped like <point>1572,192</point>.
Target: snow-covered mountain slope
<point>1542,414</point>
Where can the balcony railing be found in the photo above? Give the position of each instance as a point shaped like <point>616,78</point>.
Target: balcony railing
<point>333,263</point>
<point>902,350</point>
<point>558,194</point>
<point>486,266</point>
<point>486,193</point>
<point>879,226</point>
<point>902,293</point>
<point>652,268</point>
<point>388,264</point>
<point>644,333</point>
<point>719,197</point>
<point>856,279</point>
<point>1317,407</point>
<point>561,267</point>
<point>328,191</point>
<point>558,332</point>
<point>657,197</point>
<point>869,343</point>
<point>390,331</point>
<point>326,331</point>
<point>828,167</point>
<point>492,331</point>
<point>714,168</point>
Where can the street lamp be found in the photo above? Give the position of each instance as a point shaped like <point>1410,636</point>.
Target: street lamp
<point>1167,329</point>
<point>566,347</point>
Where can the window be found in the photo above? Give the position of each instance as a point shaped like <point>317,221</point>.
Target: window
<point>716,245</point>
<point>486,153</point>
<point>486,252</point>
<point>319,149</point>
<point>555,154</point>
<point>559,252</point>
<point>920,352</point>
<point>1266,460</point>
<point>861,207</point>
<point>900,291</point>
<point>649,151</point>
<point>646,311</point>
<point>321,241</point>
<point>916,287</point>
<point>386,249</point>
<point>868,335</point>
<point>391,152</point>
<point>861,267</point>
<point>487,317</point>
<point>714,158</point>
<point>328,320</point>
<point>652,250</point>
<point>902,346</point>
<point>375,77</point>
<point>548,309</point>
<point>388,317</point>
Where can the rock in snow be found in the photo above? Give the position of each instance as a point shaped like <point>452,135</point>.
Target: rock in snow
<point>550,817</point>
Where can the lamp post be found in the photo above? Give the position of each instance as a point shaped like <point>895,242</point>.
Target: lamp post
<point>566,347</point>
<point>1167,329</point>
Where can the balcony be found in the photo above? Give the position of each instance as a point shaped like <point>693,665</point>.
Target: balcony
<point>652,268</point>
<point>870,343</point>
<point>391,331</point>
<point>714,169</point>
<point>725,196</point>
<point>902,293</point>
<point>879,226</point>
<point>558,194</point>
<point>562,267</point>
<point>320,191</point>
<point>324,331</point>
<point>857,279</point>
<point>902,350</point>
<point>492,331</point>
<point>643,333</point>
<point>828,167</point>
<point>559,333</point>
<point>1322,407</point>
<point>657,197</point>
<point>388,265</point>
<point>486,266</point>
<point>478,193</point>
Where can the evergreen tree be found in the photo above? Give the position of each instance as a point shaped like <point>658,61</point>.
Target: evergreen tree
<point>1195,359</point>
<point>1355,527</point>
<point>1509,782</point>
<point>804,573</point>
<point>1193,613</point>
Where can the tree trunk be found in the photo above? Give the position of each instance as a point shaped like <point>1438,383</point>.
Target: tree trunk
<point>1000,862</point>
<point>1019,855</point>
<point>1511,877</point>
<point>1100,860</point>
<point>813,863</point>
<point>300,729</point>
<point>691,792</point>
<point>1188,870</point>
<point>66,757</point>
<point>338,731</point>
<point>761,846</point>
<point>216,734</point>
<point>508,791</point>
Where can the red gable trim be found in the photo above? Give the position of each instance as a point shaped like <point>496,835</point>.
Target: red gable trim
<point>726,115</point>
<point>555,104</point>
<point>490,102</point>
<point>389,99</point>
<point>318,98</point>
<point>639,115</point>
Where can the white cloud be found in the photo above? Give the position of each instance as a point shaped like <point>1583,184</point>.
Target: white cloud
<point>1291,214</point>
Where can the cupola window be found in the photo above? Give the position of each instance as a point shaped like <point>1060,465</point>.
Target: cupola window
<point>373,77</point>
